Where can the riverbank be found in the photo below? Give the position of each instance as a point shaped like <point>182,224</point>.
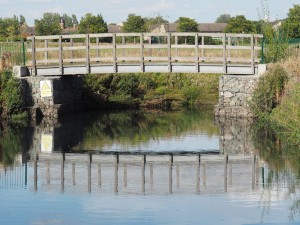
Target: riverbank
<point>276,100</point>
<point>165,91</point>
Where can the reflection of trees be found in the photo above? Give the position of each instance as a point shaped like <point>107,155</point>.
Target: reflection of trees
<point>137,126</point>
<point>283,160</point>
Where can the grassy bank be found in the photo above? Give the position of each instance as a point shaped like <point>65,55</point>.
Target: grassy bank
<point>276,101</point>
<point>151,90</point>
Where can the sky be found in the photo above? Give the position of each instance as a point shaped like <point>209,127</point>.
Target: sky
<point>114,11</point>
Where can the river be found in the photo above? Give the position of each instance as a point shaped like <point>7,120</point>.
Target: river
<point>135,167</point>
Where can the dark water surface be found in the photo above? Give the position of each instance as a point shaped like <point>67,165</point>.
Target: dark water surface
<point>146,168</point>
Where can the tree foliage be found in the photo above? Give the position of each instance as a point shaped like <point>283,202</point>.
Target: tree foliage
<point>223,18</point>
<point>9,27</point>
<point>92,24</point>
<point>291,25</point>
<point>240,24</point>
<point>48,25</point>
<point>134,23</point>
<point>187,25</point>
<point>152,21</point>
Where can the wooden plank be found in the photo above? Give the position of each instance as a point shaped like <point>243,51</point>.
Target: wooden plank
<point>153,58</point>
<point>137,46</point>
<point>49,61</point>
<point>72,45</point>
<point>210,34</point>
<point>128,58</point>
<point>97,43</point>
<point>102,59</point>
<point>183,46</point>
<point>211,47</point>
<point>50,37</point>
<point>102,35</point>
<point>201,47</point>
<point>75,60</point>
<point>155,46</point>
<point>183,34</point>
<point>128,34</point>
<point>46,52</point>
<point>239,47</point>
<point>179,58</point>
<point>74,48</point>
<point>155,34</point>
<point>73,36</point>
<point>46,49</point>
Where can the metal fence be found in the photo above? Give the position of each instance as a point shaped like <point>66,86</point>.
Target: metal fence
<point>12,53</point>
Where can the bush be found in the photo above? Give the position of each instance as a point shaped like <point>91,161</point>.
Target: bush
<point>10,94</point>
<point>269,92</point>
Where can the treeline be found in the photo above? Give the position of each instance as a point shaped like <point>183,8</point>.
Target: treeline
<point>51,24</point>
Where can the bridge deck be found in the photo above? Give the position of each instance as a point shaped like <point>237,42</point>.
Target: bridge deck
<point>137,52</point>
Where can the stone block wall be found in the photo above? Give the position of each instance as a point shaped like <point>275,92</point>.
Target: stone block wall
<point>235,92</point>
<point>66,95</point>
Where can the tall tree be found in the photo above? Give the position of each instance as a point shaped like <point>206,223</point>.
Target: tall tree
<point>68,21</point>
<point>9,27</point>
<point>291,26</point>
<point>223,18</point>
<point>74,19</point>
<point>22,20</point>
<point>152,21</point>
<point>240,24</point>
<point>187,25</point>
<point>48,25</point>
<point>134,24</point>
<point>92,24</point>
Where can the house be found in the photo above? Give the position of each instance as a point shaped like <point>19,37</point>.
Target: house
<point>202,27</point>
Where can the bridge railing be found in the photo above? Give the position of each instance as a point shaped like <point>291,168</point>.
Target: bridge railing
<point>143,52</point>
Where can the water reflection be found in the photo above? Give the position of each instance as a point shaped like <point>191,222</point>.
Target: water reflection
<point>234,163</point>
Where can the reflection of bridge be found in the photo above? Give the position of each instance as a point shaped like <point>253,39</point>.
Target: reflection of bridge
<point>175,52</point>
<point>141,173</point>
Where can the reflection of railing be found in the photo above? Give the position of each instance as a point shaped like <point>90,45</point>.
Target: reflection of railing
<point>142,173</point>
<point>13,177</point>
<point>136,52</point>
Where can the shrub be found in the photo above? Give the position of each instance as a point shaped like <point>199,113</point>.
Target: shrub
<point>10,94</point>
<point>269,92</point>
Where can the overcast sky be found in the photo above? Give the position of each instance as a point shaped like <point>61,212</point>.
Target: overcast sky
<point>115,11</point>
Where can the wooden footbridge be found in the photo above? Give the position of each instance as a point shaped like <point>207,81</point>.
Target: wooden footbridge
<point>80,54</point>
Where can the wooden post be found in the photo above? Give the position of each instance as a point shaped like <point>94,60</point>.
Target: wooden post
<point>48,172</point>
<point>98,51</point>
<point>72,45</point>
<point>197,53</point>
<point>99,175</point>
<point>170,174</point>
<point>114,54</point>
<point>60,57</point>
<point>116,188</point>
<point>73,174</point>
<point>229,45</point>
<point>252,55</point>
<point>176,43</point>
<point>62,173</point>
<point>87,45</point>
<point>225,172</point>
<point>143,174</point>
<point>255,45</point>
<point>46,52</point>
<point>224,55</point>
<point>142,53</point>
<point>35,165</point>
<point>202,50</point>
<point>169,53</point>
<point>90,173</point>
<point>34,71</point>
<point>123,43</point>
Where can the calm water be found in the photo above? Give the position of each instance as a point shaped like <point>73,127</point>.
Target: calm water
<point>146,168</point>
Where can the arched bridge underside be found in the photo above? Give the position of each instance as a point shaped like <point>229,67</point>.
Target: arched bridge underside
<point>81,54</point>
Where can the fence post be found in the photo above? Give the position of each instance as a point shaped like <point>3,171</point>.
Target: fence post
<point>169,53</point>
<point>252,55</point>
<point>87,45</point>
<point>46,52</point>
<point>262,60</point>
<point>23,52</point>
<point>34,72</point>
<point>142,52</point>
<point>224,54</point>
<point>197,52</point>
<point>60,51</point>
<point>114,54</point>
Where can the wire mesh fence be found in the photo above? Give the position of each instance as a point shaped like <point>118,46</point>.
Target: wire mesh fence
<point>12,53</point>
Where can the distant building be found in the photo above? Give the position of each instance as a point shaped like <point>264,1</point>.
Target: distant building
<point>277,24</point>
<point>202,27</point>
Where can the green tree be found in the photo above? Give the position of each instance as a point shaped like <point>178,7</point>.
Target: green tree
<point>92,24</point>
<point>67,20</point>
<point>22,20</point>
<point>240,24</point>
<point>152,21</point>
<point>223,18</point>
<point>291,26</point>
<point>134,24</point>
<point>9,27</point>
<point>74,19</point>
<point>48,25</point>
<point>187,25</point>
